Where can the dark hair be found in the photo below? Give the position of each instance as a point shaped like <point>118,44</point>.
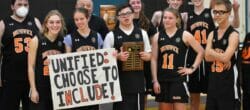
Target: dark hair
<point>144,22</point>
<point>123,6</point>
<point>83,11</point>
<point>227,4</point>
<point>176,13</point>
<point>13,2</point>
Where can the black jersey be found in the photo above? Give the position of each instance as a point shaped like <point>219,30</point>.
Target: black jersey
<point>220,45</point>
<point>200,25</point>
<point>15,47</point>
<point>246,51</point>
<point>171,55</point>
<point>80,43</point>
<point>45,48</point>
<point>131,81</point>
<point>223,83</point>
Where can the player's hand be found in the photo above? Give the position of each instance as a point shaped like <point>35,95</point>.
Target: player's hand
<point>185,71</point>
<point>157,88</point>
<point>34,96</point>
<point>227,65</point>
<point>123,56</point>
<point>145,56</point>
<point>236,6</point>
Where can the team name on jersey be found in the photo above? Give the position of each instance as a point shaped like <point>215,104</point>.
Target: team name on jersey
<point>199,24</point>
<point>22,31</point>
<point>170,47</point>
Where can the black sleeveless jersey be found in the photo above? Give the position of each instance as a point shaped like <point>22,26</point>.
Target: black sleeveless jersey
<point>223,83</point>
<point>131,81</point>
<point>199,26</point>
<point>171,55</point>
<point>245,55</point>
<point>45,48</point>
<point>80,43</point>
<point>15,47</point>
<point>220,45</point>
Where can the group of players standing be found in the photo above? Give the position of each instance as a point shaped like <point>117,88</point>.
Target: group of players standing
<point>189,53</point>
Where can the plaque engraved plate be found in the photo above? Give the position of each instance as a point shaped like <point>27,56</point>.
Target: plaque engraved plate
<point>134,62</point>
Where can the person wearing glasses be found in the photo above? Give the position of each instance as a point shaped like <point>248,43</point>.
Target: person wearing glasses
<point>222,43</point>
<point>168,62</point>
<point>131,81</point>
<point>200,23</point>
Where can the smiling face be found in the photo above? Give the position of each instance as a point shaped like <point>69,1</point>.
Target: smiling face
<point>81,20</point>
<point>197,2</point>
<point>136,5</point>
<point>176,4</point>
<point>54,25</point>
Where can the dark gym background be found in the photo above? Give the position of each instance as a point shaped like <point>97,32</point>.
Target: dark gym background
<point>39,8</point>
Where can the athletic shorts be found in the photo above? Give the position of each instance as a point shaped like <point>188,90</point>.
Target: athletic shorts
<point>173,92</point>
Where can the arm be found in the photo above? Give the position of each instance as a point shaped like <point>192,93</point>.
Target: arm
<point>68,43</point>
<point>229,52</point>
<point>190,41</point>
<point>109,43</point>
<point>154,59</point>
<point>208,57</point>
<point>2,28</point>
<point>100,41</point>
<point>236,19</point>
<point>38,24</point>
<point>146,55</point>
<point>31,69</point>
<point>156,18</point>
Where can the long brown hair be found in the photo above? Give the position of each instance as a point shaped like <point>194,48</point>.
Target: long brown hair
<point>144,22</point>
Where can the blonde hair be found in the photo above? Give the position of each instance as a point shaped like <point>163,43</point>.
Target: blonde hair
<point>177,15</point>
<point>45,30</point>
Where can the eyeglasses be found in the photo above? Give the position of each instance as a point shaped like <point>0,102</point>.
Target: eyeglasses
<point>125,14</point>
<point>219,12</point>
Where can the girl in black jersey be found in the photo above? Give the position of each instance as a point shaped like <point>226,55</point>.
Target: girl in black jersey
<point>223,87</point>
<point>50,42</point>
<point>143,22</point>
<point>83,39</point>
<point>168,60</point>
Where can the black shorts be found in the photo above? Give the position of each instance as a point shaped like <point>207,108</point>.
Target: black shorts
<point>173,92</point>
<point>198,81</point>
<point>130,102</point>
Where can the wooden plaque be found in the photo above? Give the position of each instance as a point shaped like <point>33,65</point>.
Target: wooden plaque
<point>134,62</point>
